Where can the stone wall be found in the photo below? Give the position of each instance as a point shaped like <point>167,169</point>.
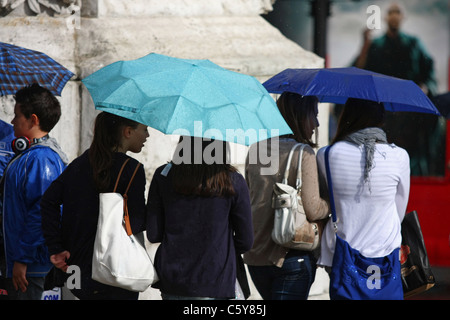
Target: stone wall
<point>52,36</point>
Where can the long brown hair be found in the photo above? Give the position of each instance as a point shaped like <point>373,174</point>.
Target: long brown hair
<point>297,111</point>
<point>359,114</point>
<point>106,141</point>
<point>195,175</point>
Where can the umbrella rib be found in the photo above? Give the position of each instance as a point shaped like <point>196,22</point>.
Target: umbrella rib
<point>194,104</point>
<point>220,87</point>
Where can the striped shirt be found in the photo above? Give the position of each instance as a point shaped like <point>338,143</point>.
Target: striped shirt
<point>369,220</point>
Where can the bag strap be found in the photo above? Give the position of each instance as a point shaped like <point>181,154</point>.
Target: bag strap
<point>126,217</point>
<point>120,173</point>
<point>132,177</point>
<point>298,182</point>
<point>330,188</point>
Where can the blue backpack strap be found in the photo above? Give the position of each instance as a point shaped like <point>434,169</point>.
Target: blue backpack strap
<point>330,186</point>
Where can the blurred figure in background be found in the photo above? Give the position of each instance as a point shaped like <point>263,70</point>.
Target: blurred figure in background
<point>398,54</point>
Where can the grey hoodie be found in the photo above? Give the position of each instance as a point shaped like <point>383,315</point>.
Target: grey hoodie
<point>53,144</point>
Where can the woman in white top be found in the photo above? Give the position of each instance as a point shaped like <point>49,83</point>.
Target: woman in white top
<point>371,180</point>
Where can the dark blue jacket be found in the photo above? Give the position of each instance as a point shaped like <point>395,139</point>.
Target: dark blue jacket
<point>76,228</point>
<point>199,238</point>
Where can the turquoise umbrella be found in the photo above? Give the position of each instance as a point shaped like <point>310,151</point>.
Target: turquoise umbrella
<point>187,97</point>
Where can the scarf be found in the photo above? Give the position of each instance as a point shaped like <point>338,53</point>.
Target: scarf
<point>368,138</point>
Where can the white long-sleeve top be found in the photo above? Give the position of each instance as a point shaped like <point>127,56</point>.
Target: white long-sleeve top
<point>370,221</point>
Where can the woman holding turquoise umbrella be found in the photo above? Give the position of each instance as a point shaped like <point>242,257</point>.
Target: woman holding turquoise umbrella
<point>70,237</point>
<point>199,210</point>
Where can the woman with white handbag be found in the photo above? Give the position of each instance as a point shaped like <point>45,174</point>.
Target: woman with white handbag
<point>70,236</point>
<point>286,271</point>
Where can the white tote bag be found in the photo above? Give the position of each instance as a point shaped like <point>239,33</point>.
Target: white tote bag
<point>120,258</point>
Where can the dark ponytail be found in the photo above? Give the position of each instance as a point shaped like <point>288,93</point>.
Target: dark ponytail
<point>106,141</point>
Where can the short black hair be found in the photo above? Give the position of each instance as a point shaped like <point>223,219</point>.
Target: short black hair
<point>40,101</point>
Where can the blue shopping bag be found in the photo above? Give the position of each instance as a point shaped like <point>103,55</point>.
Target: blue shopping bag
<point>356,277</point>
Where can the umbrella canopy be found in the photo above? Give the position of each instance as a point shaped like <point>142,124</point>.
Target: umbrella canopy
<point>336,85</point>
<point>187,97</point>
<point>20,67</point>
<point>442,103</point>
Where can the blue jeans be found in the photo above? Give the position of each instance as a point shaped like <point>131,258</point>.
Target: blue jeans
<point>34,291</point>
<point>290,282</point>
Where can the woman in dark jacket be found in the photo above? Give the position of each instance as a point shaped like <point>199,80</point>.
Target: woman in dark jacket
<point>199,209</point>
<point>70,237</point>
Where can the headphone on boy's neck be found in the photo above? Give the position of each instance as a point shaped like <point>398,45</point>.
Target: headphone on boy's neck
<point>21,144</point>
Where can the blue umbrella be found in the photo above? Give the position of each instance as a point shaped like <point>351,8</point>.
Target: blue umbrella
<point>336,85</point>
<point>20,67</point>
<point>187,97</point>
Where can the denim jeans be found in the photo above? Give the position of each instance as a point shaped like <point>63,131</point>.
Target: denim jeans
<point>290,282</point>
<point>34,291</point>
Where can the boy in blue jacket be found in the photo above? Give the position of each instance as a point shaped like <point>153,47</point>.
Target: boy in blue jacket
<point>38,162</point>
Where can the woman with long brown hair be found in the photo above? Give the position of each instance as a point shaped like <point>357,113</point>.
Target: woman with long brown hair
<point>199,209</point>
<point>70,237</point>
<point>278,272</point>
<point>370,181</point>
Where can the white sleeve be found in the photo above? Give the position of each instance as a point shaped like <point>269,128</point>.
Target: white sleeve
<point>402,196</point>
